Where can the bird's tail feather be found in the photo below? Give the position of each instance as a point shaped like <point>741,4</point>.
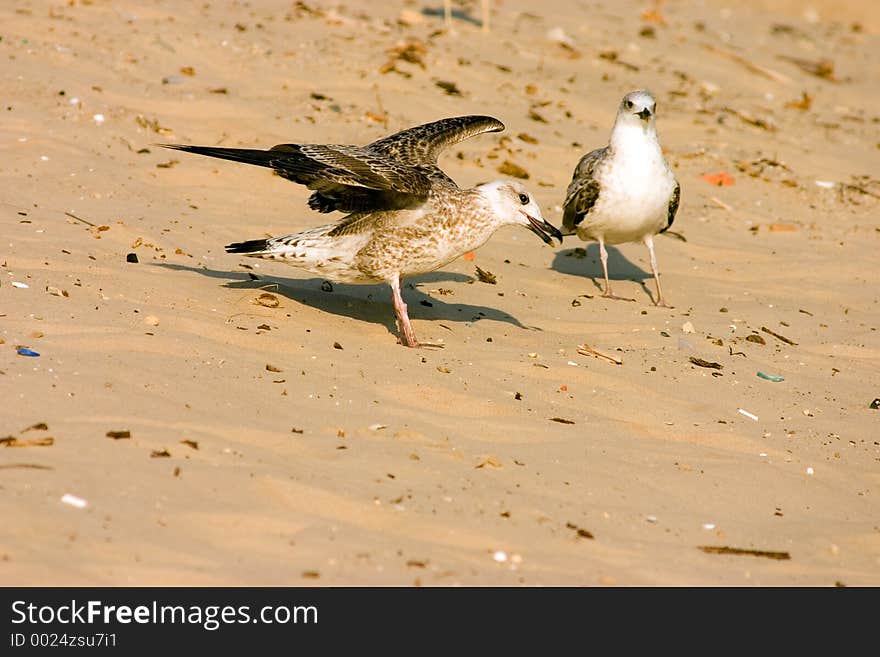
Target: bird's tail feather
<point>249,247</point>
<point>246,155</point>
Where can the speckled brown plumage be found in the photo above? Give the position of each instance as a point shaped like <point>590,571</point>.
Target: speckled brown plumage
<point>406,216</point>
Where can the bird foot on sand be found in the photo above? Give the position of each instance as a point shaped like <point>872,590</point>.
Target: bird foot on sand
<point>609,295</point>
<point>415,344</point>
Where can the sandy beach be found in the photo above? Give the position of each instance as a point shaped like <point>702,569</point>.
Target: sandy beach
<point>207,435</point>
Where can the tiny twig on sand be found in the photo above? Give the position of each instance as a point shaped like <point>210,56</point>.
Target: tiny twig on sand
<point>587,350</point>
<point>721,204</point>
<point>724,549</point>
<point>73,216</point>
<point>751,66</point>
<point>780,337</point>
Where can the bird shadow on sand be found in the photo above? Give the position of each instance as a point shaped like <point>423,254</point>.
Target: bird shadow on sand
<point>587,263</point>
<point>370,303</point>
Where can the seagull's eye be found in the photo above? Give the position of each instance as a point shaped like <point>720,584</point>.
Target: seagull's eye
<point>629,104</point>
<point>524,199</point>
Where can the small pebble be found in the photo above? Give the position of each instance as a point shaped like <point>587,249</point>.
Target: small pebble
<point>810,471</point>
<point>152,320</point>
<point>687,327</point>
<point>20,285</point>
<point>500,556</point>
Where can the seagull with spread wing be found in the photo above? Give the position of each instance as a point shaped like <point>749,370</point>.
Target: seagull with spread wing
<point>404,216</point>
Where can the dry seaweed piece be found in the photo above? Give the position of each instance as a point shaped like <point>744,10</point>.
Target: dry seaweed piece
<point>117,435</point>
<point>582,533</point>
<point>190,443</point>
<point>39,426</point>
<point>534,116</point>
<point>489,462</point>
<point>805,102</point>
<point>508,168</point>
<point>411,51</point>
<point>152,124</point>
<point>12,441</point>
<point>822,68</point>
<point>747,117</point>
<point>160,454</point>
<point>486,276</point>
<point>561,420</point>
<point>724,549</point>
<point>449,87</point>
<point>268,300</point>
<point>272,368</point>
<point>613,56</point>
<point>706,363</point>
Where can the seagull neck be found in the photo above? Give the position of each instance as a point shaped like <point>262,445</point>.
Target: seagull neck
<point>628,137</point>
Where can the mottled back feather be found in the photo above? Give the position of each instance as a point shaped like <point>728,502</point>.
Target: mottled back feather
<point>583,191</point>
<point>673,206</point>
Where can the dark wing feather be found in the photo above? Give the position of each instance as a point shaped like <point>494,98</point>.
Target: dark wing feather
<point>417,147</point>
<point>421,145</point>
<point>673,206</point>
<point>583,191</point>
<point>390,174</point>
<point>346,178</point>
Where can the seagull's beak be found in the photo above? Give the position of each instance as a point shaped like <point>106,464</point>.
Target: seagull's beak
<point>644,115</point>
<point>541,228</point>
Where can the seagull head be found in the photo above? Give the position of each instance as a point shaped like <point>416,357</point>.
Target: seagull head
<point>638,107</point>
<point>512,203</point>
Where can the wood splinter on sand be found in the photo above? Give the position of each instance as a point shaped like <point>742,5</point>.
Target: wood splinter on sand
<point>587,350</point>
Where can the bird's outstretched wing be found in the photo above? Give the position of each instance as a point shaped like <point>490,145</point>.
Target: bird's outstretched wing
<point>417,147</point>
<point>673,206</point>
<point>393,173</point>
<point>583,191</point>
<point>348,178</point>
<point>422,145</point>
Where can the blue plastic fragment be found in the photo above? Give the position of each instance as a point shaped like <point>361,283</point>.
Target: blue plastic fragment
<point>771,377</point>
<point>24,351</point>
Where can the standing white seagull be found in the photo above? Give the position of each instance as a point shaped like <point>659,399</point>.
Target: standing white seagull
<point>404,215</point>
<point>625,191</point>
